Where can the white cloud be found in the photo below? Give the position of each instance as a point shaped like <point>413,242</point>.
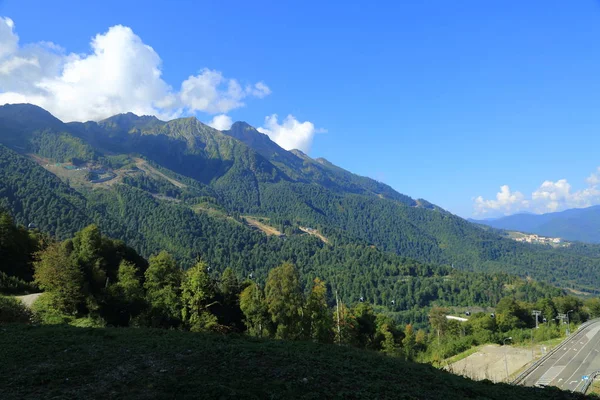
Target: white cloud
<point>594,178</point>
<point>549,197</point>
<point>120,74</point>
<point>221,122</point>
<point>506,201</point>
<point>291,133</point>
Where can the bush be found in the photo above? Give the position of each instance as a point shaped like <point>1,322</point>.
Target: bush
<point>14,285</point>
<point>88,322</point>
<point>46,313</point>
<point>13,310</point>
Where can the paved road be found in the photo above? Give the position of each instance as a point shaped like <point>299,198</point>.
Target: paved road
<point>575,358</point>
<point>29,298</point>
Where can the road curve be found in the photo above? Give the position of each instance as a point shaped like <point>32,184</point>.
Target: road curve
<point>576,357</point>
<point>29,299</point>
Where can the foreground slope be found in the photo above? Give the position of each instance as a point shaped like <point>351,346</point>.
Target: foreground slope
<point>577,224</point>
<point>69,363</point>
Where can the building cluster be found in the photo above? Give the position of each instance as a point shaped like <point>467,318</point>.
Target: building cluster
<point>538,239</point>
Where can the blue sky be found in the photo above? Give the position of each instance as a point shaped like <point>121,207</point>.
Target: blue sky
<point>443,100</point>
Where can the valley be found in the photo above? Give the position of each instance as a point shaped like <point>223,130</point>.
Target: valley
<point>230,213</point>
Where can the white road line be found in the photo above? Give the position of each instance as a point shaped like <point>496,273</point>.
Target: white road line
<point>567,345</point>
<point>549,376</point>
<point>585,359</point>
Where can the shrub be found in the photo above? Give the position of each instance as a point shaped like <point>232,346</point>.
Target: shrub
<point>13,310</point>
<point>46,312</point>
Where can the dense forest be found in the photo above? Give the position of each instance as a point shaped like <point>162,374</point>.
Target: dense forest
<point>92,280</point>
<point>199,182</point>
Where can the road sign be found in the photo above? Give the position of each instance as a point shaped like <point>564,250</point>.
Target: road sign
<point>585,377</point>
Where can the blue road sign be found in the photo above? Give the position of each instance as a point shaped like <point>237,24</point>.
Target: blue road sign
<point>585,377</point>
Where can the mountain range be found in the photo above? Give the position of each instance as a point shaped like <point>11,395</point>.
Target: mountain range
<point>237,198</point>
<point>577,224</point>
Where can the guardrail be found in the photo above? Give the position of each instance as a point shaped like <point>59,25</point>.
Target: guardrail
<point>588,382</point>
<point>521,377</point>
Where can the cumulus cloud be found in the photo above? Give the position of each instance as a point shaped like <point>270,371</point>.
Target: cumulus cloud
<point>548,197</point>
<point>221,122</point>
<point>121,73</point>
<point>291,133</point>
<point>505,201</point>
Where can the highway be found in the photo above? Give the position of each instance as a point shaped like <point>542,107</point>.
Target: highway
<point>576,357</point>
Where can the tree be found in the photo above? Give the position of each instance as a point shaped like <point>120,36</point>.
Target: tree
<point>285,301</point>
<point>127,295</point>
<point>57,274</point>
<point>366,325</point>
<point>548,309</point>
<point>421,340</point>
<point>228,311</point>
<point>344,325</point>
<point>197,294</point>
<point>482,326</point>
<point>388,344</point>
<point>163,279</point>
<point>510,315</point>
<point>438,320</point>
<point>593,306</point>
<point>409,343</point>
<point>317,315</point>
<point>229,286</point>
<point>254,307</point>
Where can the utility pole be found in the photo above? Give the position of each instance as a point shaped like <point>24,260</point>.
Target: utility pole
<point>505,360</point>
<point>532,348</point>
<point>536,314</point>
<point>563,318</point>
<point>568,324</point>
<point>337,307</point>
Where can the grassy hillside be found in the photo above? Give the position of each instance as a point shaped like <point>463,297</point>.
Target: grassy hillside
<point>74,363</point>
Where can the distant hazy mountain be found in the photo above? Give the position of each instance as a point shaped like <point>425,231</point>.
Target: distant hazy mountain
<point>577,224</point>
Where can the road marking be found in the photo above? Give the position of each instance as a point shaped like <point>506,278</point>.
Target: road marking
<point>549,376</point>
<point>546,375</point>
<point>586,357</point>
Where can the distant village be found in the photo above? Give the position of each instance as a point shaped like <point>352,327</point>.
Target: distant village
<point>536,239</point>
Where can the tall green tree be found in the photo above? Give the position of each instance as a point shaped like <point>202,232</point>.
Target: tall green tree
<point>127,295</point>
<point>366,325</point>
<point>438,320</point>
<point>284,300</point>
<point>228,311</point>
<point>197,295</point>
<point>409,343</point>
<point>87,253</point>
<point>254,307</point>
<point>317,314</point>
<point>57,274</point>
<point>162,284</point>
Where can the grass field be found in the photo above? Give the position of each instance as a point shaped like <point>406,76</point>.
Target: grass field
<point>62,362</point>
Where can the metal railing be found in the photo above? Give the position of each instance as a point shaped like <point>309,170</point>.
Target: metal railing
<point>588,382</point>
<point>521,377</point>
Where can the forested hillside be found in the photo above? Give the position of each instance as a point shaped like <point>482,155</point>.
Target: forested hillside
<point>92,280</point>
<point>184,187</point>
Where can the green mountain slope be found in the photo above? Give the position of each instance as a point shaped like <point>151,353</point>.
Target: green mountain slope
<point>70,362</point>
<point>177,180</point>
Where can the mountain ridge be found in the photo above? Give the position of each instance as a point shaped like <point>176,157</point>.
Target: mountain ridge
<point>576,224</point>
<point>223,173</point>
